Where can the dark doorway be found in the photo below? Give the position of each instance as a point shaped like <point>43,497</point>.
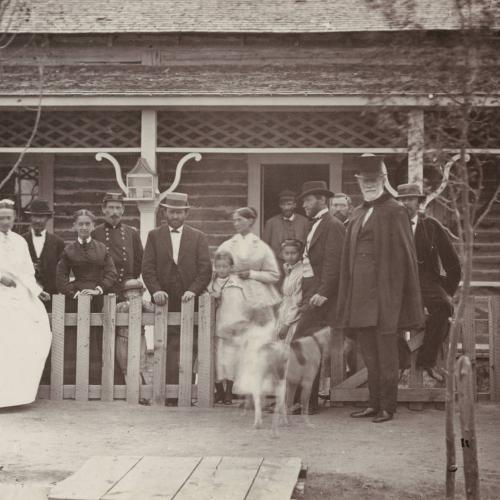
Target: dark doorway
<point>276,178</point>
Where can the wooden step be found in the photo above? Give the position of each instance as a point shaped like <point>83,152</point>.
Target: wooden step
<point>183,478</point>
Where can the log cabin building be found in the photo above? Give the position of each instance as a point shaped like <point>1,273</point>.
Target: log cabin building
<point>271,93</point>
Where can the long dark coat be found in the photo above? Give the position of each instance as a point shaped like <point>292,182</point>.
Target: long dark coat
<point>398,290</point>
<point>46,265</point>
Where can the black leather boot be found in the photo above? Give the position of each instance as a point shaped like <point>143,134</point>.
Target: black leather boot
<point>228,396</point>
<point>219,393</point>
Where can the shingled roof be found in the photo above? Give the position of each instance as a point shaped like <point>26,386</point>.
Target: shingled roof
<point>231,16</point>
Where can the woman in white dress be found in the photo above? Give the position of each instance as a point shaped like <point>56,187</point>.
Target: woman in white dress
<point>257,268</point>
<point>25,334</point>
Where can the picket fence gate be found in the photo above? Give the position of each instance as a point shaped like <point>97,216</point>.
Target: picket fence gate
<point>135,319</point>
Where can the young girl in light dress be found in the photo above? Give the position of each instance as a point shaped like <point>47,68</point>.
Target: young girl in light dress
<point>289,310</point>
<point>231,313</point>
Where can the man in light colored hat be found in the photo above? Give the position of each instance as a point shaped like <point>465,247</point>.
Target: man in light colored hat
<point>433,246</point>
<point>287,225</point>
<point>45,249</point>
<point>379,293</point>
<point>176,266</point>
<point>321,265</point>
<point>122,241</point>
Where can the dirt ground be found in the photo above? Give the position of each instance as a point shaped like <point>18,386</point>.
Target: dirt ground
<point>45,442</point>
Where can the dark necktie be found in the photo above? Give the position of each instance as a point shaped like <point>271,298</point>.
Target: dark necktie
<point>175,231</point>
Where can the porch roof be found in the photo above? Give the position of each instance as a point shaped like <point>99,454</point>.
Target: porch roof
<point>231,16</point>
<point>234,80</point>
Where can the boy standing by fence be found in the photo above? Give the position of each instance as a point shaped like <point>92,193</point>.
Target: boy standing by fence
<point>130,289</point>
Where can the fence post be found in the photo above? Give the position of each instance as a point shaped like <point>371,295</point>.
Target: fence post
<point>108,347</point>
<point>465,389</point>
<point>134,350</point>
<point>206,352</point>
<point>494,340</point>
<point>469,337</point>
<point>82,348</point>
<point>337,360</point>
<point>160,354</point>
<point>186,354</point>
<point>416,376</point>
<point>57,353</point>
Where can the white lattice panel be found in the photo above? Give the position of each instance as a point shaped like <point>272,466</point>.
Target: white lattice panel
<point>72,129</point>
<point>220,129</point>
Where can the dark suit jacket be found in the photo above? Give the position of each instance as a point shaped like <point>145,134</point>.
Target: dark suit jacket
<point>45,267</point>
<point>194,266</point>
<point>325,253</point>
<point>433,245</point>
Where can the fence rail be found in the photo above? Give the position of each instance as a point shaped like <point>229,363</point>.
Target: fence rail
<point>135,320</point>
<point>480,339</point>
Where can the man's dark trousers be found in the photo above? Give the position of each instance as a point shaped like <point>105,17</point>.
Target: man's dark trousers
<point>437,325</point>
<point>380,354</point>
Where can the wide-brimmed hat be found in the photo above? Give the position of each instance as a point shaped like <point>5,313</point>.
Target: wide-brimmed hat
<point>315,187</point>
<point>38,207</point>
<point>132,284</point>
<point>113,197</point>
<point>287,194</point>
<point>369,166</point>
<point>176,200</point>
<point>410,190</point>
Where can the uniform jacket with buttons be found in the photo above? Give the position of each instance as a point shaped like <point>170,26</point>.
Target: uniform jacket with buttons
<point>125,247</point>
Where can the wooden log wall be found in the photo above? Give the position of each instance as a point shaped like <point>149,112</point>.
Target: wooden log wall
<point>80,181</point>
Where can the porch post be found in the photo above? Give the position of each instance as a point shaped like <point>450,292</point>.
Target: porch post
<point>147,209</point>
<point>416,146</point>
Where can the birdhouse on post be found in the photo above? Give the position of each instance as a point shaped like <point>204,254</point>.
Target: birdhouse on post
<point>142,182</point>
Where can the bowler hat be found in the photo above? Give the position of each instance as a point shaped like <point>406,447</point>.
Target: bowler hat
<point>315,187</point>
<point>176,200</point>
<point>112,197</point>
<point>369,166</point>
<point>410,190</point>
<point>38,207</point>
<point>132,284</point>
<point>287,194</point>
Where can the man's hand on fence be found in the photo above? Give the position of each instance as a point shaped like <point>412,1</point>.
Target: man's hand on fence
<point>90,291</point>
<point>44,296</point>
<point>188,296</point>
<point>160,297</point>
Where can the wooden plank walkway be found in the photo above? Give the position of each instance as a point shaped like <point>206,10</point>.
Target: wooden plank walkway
<point>181,478</point>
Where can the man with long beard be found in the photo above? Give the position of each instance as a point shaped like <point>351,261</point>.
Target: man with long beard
<point>379,292</point>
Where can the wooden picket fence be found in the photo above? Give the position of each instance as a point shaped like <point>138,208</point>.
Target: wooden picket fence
<point>135,319</point>
<point>480,338</point>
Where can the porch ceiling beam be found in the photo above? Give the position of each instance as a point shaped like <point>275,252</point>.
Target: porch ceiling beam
<point>280,150</point>
<point>71,150</point>
<point>273,102</point>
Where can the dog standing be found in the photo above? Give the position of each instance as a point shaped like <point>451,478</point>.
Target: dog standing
<point>303,364</point>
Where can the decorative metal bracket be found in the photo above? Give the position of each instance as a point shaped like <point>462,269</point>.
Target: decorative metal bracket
<point>175,183</point>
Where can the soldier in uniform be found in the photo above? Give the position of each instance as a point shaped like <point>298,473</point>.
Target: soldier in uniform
<point>45,249</point>
<point>122,241</point>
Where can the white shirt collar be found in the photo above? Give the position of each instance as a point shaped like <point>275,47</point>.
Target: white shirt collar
<point>89,239</point>
<point>320,213</point>
<point>42,235</point>
<point>179,229</point>
<point>291,218</point>
<point>414,221</point>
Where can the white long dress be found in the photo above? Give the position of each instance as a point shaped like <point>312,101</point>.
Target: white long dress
<point>25,334</point>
